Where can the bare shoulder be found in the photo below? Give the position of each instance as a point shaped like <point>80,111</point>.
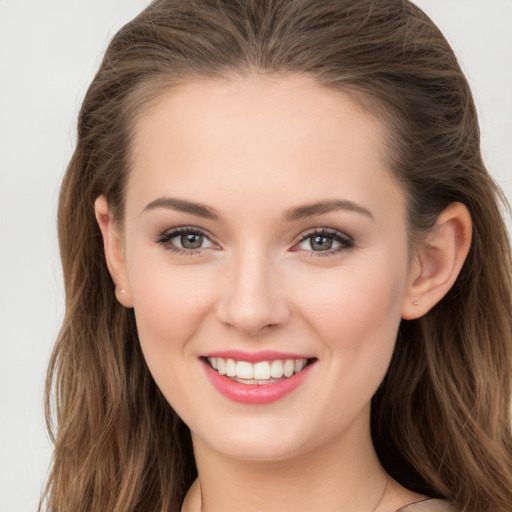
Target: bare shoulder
<point>428,505</point>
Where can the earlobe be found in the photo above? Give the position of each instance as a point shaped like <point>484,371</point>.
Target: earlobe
<point>438,261</point>
<point>114,255</point>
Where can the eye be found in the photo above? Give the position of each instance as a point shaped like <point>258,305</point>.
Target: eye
<point>191,241</point>
<point>185,240</point>
<point>324,240</point>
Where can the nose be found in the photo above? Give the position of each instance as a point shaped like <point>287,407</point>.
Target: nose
<point>253,299</point>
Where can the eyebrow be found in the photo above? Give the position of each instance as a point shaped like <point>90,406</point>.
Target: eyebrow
<point>182,205</point>
<point>314,209</point>
<point>292,215</point>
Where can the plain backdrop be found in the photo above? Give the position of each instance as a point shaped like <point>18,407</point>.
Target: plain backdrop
<point>49,52</point>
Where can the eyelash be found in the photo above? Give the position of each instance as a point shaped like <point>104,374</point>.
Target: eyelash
<point>164,239</point>
<point>345,241</point>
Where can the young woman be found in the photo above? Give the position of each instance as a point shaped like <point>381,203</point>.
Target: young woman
<point>288,280</point>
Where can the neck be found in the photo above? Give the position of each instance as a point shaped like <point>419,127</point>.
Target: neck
<point>342,474</point>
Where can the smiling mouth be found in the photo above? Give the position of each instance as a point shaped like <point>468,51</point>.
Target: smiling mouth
<point>260,373</point>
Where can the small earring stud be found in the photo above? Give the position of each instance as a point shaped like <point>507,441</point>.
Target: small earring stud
<point>122,290</point>
<point>415,303</point>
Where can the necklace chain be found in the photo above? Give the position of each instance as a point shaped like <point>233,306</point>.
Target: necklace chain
<point>372,510</point>
<point>382,496</point>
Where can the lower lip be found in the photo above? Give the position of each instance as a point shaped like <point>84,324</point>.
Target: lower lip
<point>255,393</point>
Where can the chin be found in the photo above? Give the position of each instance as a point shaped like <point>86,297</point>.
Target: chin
<point>260,450</point>
<point>258,441</point>
<point>266,440</point>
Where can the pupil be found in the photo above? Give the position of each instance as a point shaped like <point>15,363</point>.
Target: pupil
<point>321,243</point>
<point>191,241</point>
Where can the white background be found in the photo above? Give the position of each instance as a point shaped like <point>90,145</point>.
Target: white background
<point>49,51</point>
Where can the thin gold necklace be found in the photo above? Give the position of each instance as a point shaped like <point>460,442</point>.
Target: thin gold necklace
<point>372,510</point>
<point>382,496</point>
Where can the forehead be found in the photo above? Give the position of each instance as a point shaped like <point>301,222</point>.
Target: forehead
<point>266,103</point>
<point>259,134</point>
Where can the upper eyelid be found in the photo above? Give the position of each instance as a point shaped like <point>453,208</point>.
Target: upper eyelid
<point>182,229</point>
<point>328,231</point>
<point>346,242</point>
<point>164,239</point>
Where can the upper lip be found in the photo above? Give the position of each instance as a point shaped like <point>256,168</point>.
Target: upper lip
<point>255,357</point>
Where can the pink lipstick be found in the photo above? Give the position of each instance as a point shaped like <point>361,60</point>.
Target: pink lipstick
<point>256,377</point>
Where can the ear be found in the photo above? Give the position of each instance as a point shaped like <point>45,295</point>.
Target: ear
<point>114,253</point>
<point>438,261</point>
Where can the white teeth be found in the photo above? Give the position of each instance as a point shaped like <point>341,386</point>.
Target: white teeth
<point>255,381</point>
<point>262,372</point>
<point>244,370</point>
<point>276,369</point>
<point>289,365</point>
<point>221,365</point>
<point>230,368</point>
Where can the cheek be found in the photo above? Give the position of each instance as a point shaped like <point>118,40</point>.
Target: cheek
<point>355,299</point>
<point>356,312</point>
<point>169,302</point>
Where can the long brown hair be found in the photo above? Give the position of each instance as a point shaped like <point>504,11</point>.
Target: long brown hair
<point>441,418</point>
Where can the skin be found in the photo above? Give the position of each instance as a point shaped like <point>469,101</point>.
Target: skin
<point>252,149</point>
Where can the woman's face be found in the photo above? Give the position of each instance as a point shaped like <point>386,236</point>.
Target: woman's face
<point>263,226</point>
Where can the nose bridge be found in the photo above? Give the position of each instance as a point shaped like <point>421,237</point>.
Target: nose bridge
<point>253,299</point>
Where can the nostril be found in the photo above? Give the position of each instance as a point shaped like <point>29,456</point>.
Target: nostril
<point>252,317</point>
